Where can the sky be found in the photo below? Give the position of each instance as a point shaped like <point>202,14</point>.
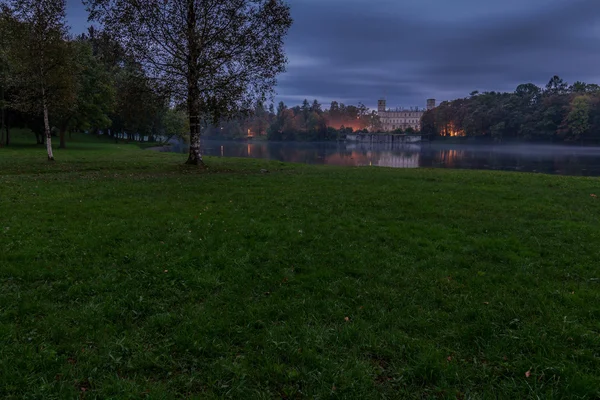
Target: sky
<point>410,50</point>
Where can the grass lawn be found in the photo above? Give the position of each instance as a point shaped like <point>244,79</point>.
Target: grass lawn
<point>126,275</point>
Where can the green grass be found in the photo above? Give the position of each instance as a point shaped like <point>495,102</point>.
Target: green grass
<point>126,275</point>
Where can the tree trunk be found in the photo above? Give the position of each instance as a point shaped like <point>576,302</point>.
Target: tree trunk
<point>47,127</point>
<point>2,118</point>
<point>1,129</point>
<point>194,157</point>
<point>63,144</point>
<point>193,77</point>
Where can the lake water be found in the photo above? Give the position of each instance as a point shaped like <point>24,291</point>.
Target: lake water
<point>561,160</point>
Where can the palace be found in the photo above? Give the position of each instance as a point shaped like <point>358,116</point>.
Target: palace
<point>401,118</point>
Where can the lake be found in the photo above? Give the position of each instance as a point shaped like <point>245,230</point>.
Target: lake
<point>550,159</point>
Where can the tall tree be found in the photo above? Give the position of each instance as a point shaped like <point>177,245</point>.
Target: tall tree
<point>5,34</point>
<point>42,56</point>
<point>218,57</point>
<point>556,85</point>
<point>316,107</point>
<point>94,91</point>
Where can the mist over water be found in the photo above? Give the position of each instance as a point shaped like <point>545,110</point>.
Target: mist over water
<point>549,159</point>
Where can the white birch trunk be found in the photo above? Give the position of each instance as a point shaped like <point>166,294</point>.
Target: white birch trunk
<point>47,126</point>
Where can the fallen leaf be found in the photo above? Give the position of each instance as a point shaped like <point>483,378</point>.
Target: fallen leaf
<point>527,374</point>
<point>593,195</point>
<point>486,302</point>
<point>166,270</point>
<point>449,358</point>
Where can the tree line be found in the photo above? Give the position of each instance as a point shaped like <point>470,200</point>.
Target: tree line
<point>558,112</point>
<point>305,122</point>
<point>156,68</point>
<point>55,84</point>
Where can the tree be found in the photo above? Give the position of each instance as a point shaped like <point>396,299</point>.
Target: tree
<point>556,85</point>
<point>43,55</point>
<point>375,124</point>
<point>94,90</point>
<point>316,107</point>
<point>305,108</point>
<point>175,125</point>
<point>218,57</point>
<point>5,34</point>
<point>260,119</point>
<point>578,87</point>
<point>528,91</point>
<point>578,119</point>
<point>139,105</point>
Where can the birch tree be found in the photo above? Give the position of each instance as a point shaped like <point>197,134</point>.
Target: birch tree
<point>216,56</point>
<point>41,52</point>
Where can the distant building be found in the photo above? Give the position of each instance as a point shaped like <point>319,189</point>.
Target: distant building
<point>401,118</point>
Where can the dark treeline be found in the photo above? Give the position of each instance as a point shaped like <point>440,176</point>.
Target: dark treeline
<point>90,83</point>
<point>306,122</point>
<point>556,113</point>
<point>157,69</point>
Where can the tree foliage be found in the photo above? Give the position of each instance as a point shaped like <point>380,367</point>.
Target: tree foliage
<point>558,112</point>
<point>217,57</point>
<point>41,60</point>
<point>306,122</point>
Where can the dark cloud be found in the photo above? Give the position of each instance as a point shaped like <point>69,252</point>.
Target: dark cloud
<point>410,50</point>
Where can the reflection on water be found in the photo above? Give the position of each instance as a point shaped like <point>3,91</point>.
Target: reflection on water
<point>527,157</point>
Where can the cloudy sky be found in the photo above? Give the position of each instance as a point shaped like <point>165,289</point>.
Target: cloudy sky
<point>410,50</point>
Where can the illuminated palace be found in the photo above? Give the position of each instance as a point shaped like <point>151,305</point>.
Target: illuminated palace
<point>401,118</point>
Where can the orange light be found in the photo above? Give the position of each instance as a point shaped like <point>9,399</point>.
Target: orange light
<point>452,131</point>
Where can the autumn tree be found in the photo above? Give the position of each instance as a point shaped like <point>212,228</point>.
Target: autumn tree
<point>216,56</point>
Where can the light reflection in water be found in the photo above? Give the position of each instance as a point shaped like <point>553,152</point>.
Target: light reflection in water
<point>562,160</point>
<point>450,157</point>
